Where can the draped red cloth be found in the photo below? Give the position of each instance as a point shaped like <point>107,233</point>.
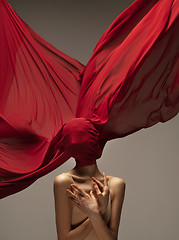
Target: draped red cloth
<point>53,107</point>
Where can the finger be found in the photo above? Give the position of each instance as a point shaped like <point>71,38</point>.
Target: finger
<point>105,179</point>
<point>92,195</point>
<point>76,203</point>
<point>71,194</point>
<point>98,182</point>
<point>76,191</point>
<point>83,193</point>
<point>94,191</point>
<point>106,187</point>
<point>96,188</point>
<point>75,197</point>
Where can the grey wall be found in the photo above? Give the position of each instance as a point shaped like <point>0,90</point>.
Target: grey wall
<point>147,160</point>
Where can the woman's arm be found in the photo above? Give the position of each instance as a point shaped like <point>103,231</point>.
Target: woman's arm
<point>102,231</point>
<point>82,230</point>
<point>63,208</point>
<point>88,204</point>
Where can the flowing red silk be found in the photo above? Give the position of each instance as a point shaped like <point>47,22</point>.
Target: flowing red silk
<point>130,82</point>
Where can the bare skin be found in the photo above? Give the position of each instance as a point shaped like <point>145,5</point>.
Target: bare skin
<point>89,195</point>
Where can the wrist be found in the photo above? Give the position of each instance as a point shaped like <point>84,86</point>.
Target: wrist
<point>95,216</point>
<point>102,211</point>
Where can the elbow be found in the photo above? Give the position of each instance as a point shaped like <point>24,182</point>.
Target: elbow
<point>67,237</point>
<point>63,237</point>
<point>114,236</point>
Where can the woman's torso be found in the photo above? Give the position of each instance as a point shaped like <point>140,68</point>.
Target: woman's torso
<point>78,217</point>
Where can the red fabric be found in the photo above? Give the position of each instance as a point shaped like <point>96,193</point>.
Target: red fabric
<point>130,82</point>
<point>80,139</point>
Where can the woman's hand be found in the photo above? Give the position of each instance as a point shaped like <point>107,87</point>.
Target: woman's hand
<point>84,201</point>
<point>101,193</point>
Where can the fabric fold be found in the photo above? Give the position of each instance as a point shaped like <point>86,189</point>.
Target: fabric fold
<point>130,82</point>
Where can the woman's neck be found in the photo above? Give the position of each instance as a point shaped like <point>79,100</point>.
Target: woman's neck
<point>86,171</point>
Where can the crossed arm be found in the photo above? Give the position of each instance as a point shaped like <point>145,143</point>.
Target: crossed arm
<point>63,208</point>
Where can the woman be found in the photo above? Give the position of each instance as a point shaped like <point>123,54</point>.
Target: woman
<point>88,204</point>
<point>130,82</point>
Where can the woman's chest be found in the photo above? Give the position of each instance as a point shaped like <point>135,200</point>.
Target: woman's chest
<point>78,217</point>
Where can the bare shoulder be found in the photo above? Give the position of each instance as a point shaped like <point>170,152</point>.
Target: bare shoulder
<point>117,186</point>
<point>63,206</point>
<point>62,181</point>
<point>116,180</point>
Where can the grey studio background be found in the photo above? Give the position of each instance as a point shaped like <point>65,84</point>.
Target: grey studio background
<point>147,160</point>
